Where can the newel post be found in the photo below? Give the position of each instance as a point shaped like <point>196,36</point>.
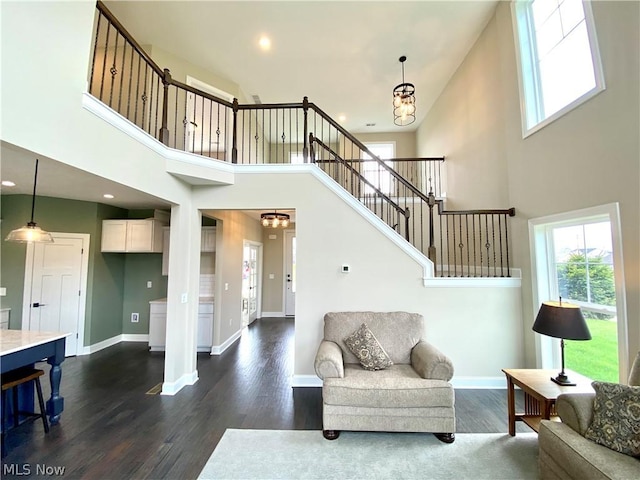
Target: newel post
<point>312,155</point>
<point>164,130</point>
<point>305,147</point>
<point>234,145</point>
<point>431,253</point>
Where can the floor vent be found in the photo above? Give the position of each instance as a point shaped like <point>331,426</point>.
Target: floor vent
<point>155,390</point>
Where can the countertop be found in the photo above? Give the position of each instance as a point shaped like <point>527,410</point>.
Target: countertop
<point>15,340</point>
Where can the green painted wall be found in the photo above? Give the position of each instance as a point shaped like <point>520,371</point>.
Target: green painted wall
<point>116,282</point>
<point>141,268</point>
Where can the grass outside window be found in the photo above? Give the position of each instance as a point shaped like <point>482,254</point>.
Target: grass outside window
<point>596,358</point>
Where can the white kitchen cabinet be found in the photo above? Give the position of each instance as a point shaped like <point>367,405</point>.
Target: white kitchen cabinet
<point>207,244</point>
<point>158,325</point>
<point>132,236</point>
<point>208,239</point>
<point>4,318</point>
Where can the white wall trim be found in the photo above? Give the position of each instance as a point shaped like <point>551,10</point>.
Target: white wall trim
<point>171,388</point>
<point>515,281</point>
<point>135,337</point>
<point>96,347</point>
<point>272,314</point>
<point>109,342</point>
<point>479,382</point>
<point>305,381</point>
<point>95,106</point>
<point>220,349</point>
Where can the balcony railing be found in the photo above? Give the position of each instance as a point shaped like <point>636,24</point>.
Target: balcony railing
<point>400,191</point>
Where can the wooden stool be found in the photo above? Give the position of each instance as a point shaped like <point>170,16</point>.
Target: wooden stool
<point>13,379</point>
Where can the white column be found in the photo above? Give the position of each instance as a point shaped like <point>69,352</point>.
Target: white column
<point>182,299</point>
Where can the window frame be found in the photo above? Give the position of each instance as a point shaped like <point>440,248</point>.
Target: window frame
<point>547,348</point>
<point>525,49</point>
<point>381,171</point>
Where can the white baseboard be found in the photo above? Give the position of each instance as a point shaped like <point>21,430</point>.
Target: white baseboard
<point>96,347</point>
<point>272,314</point>
<point>479,382</point>
<point>306,381</point>
<point>135,337</point>
<point>219,349</point>
<point>171,388</point>
<point>109,342</point>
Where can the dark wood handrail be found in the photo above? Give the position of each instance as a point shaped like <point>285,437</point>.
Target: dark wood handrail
<point>507,211</point>
<point>374,157</point>
<point>397,207</point>
<point>200,93</point>
<point>417,159</point>
<point>123,31</point>
<point>268,106</point>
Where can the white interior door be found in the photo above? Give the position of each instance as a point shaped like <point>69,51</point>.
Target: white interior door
<point>290,273</point>
<point>250,281</point>
<point>55,281</point>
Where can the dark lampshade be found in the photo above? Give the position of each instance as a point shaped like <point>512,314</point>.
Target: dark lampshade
<point>561,320</point>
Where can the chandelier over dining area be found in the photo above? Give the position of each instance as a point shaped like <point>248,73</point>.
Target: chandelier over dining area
<point>275,220</point>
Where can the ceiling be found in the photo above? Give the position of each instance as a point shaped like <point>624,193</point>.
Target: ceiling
<point>342,55</point>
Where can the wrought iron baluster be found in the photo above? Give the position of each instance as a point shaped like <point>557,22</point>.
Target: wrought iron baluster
<point>124,54</point>
<point>95,50</point>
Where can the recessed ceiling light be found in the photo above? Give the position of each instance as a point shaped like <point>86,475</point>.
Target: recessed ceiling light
<point>265,43</point>
<point>8,183</point>
<point>342,118</point>
<point>108,195</point>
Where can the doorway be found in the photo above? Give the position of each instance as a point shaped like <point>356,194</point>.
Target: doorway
<point>55,287</point>
<point>290,273</point>
<point>251,281</point>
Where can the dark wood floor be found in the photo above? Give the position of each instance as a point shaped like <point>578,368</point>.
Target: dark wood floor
<point>112,429</point>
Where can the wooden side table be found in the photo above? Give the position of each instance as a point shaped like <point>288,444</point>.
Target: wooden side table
<point>540,394</point>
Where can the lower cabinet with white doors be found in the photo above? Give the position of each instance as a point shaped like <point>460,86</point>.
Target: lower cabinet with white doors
<point>158,325</point>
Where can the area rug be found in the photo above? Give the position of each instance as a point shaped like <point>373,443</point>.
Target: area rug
<point>305,454</point>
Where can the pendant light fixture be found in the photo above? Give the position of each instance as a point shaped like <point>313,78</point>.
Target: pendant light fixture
<point>404,101</point>
<point>274,220</point>
<point>31,232</point>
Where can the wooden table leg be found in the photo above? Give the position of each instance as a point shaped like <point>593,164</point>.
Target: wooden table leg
<point>511,406</point>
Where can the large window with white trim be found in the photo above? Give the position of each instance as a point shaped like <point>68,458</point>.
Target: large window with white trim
<point>578,258</point>
<point>559,62</point>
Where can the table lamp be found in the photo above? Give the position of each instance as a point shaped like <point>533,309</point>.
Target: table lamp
<point>561,320</point>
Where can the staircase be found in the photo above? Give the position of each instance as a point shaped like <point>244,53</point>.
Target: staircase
<point>406,193</point>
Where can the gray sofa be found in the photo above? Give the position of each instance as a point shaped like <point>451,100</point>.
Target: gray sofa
<point>564,452</point>
<point>412,395</point>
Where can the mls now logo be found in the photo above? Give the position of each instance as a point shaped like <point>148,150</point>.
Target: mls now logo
<point>27,469</point>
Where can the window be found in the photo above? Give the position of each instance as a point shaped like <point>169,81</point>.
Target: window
<point>577,257</point>
<point>559,63</point>
<point>373,171</point>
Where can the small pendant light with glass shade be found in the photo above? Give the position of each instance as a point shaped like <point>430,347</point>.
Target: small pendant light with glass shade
<point>31,232</point>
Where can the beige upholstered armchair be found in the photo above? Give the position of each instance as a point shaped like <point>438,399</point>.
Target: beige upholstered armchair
<point>405,388</point>
<point>575,448</point>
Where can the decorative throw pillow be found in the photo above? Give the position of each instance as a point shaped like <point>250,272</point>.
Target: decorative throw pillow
<point>364,345</point>
<point>616,418</point>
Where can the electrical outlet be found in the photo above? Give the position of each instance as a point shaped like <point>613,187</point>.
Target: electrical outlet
<point>230,320</point>
<point>149,284</point>
<point>135,317</point>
